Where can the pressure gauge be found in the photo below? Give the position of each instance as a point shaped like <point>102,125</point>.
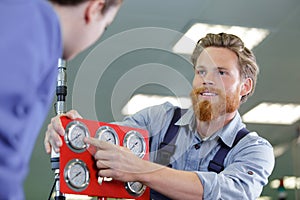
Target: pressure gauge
<point>75,132</point>
<point>76,175</point>
<point>107,134</point>
<point>134,141</point>
<point>135,188</point>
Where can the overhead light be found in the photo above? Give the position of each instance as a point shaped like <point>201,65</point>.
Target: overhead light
<point>273,113</point>
<point>141,101</point>
<point>289,182</point>
<point>251,36</point>
<point>264,198</point>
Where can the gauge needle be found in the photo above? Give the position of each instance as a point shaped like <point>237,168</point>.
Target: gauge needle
<point>76,175</point>
<point>108,140</point>
<point>133,145</point>
<point>77,136</point>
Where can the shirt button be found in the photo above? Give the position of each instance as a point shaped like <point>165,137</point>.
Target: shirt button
<point>250,172</point>
<point>197,146</point>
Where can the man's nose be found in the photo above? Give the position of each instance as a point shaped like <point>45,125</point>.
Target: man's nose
<point>208,79</point>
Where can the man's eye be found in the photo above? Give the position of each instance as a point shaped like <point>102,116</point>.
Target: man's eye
<point>201,72</point>
<point>222,72</point>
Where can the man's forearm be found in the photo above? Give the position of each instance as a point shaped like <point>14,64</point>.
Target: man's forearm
<point>175,184</point>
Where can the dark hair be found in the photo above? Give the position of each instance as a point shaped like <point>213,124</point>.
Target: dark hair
<point>246,58</point>
<point>68,2</point>
<point>108,3</point>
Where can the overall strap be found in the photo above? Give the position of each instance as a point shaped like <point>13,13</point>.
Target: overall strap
<point>167,147</point>
<point>217,163</point>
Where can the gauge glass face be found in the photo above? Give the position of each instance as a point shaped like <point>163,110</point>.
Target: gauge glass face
<point>77,175</point>
<point>135,188</point>
<point>75,133</point>
<point>107,134</point>
<point>136,143</point>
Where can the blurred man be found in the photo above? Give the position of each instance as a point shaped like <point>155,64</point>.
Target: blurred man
<point>34,35</point>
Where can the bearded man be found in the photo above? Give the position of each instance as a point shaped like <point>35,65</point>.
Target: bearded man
<point>225,76</point>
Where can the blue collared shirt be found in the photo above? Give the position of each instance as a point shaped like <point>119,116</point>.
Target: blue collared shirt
<point>247,166</point>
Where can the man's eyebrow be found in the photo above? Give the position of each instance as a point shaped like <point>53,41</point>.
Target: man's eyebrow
<point>222,68</point>
<point>199,67</point>
<point>217,68</point>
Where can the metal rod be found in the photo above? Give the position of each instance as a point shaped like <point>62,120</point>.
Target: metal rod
<point>60,108</point>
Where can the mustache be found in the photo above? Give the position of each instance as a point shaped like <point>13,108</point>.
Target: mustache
<point>197,91</point>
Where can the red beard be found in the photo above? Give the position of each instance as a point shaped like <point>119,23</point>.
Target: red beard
<point>207,110</point>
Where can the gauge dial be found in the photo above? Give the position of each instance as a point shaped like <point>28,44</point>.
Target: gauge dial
<point>76,175</point>
<point>75,132</point>
<point>107,134</point>
<point>135,188</point>
<point>134,141</point>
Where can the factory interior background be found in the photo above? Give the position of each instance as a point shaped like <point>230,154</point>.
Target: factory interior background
<point>145,54</point>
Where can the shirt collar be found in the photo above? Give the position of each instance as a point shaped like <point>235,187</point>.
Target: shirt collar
<point>227,133</point>
<point>187,119</point>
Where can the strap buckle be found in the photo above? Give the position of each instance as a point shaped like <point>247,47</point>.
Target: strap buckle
<point>215,167</point>
<point>164,153</point>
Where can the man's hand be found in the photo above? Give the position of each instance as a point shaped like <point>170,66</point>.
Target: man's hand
<point>55,130</point>
<point>116,162</point>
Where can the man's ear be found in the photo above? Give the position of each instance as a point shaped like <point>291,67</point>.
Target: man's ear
<point>247,85</point>
<point>93,10</point>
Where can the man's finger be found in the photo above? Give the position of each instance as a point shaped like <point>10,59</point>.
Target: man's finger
<point>47,145</point>
<point>73,114</point>
<point>57,126</point>
<point>97,143</point>
<point>92,141</point>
